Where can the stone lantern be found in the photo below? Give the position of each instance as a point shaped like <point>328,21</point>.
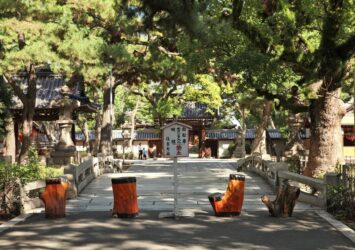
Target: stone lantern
<point>65,149</point>
<point>125,135</point>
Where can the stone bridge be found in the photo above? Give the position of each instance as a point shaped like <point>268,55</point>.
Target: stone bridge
<point>197,178</point>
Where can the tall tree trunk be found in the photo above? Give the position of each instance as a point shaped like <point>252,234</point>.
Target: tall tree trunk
<point>133,123</point>
<point>86,136</point>
<point>106,127</point>
<point>272,124</point>
<point>260,136</point>
<point>239,151</point>
<point>98,122</point>
<point>10,140</point>
<point>326,134</point>
<point>28,111</point>
<point>27,138</point>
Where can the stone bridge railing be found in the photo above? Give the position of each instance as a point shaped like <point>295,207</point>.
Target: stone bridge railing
<point>85,172</point>
<point>79,176</point>
<point>313,191</point>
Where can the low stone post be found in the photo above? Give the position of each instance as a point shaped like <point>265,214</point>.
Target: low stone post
<point>331,179</point>
<point>71,176</point>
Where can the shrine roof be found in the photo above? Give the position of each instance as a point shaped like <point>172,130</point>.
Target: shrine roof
<point>49,87</point>
<point>273,133</point>
<point>230,134</point>
<point>117,134</point>
<point>197,110</point>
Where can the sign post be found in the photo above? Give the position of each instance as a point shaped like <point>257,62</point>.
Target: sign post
<point>176,184</point>
<point>176,144</point>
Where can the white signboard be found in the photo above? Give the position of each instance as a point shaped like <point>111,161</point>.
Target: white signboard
<point>176,140</point>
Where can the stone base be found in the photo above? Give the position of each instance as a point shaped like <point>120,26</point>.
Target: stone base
<point>239,152</point>
<point>63,157</point>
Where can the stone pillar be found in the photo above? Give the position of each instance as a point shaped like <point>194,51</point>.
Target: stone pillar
<point>202,142</point>
<point>64,151</point>
<point>332,179</point>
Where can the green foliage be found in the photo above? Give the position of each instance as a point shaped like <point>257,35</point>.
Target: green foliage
<point>248,148</point>
<point>29,172</point>
<point>204,90</point>
<point>4,106</point>
<point>13,175</point>
<point>341,202</point>
<point>128,156</point>
<point>194,150</point>
<point>231,149</point>
<point>294,164</point>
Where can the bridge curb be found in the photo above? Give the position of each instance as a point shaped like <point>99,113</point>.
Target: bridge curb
<point>341,227</point>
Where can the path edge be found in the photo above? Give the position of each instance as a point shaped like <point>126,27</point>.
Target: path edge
<point>20,218</point>
<point>341,227</point>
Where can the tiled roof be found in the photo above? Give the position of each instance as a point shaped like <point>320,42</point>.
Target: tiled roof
<point>229,134</point>
<point>49,89</point>
<point>117,134</point>
<point>196,110</point>
<point>147,134</point>
<point>274,134</point>
<point>220,134</point>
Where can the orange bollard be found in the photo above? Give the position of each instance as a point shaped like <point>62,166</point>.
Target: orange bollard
<point>54,197</point>
<point>230,203</point>
<point>125,197</point>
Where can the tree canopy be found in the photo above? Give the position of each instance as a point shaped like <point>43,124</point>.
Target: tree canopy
<point>171,51</point>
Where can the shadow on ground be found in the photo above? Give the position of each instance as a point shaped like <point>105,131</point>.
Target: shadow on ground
<point>97,230</point>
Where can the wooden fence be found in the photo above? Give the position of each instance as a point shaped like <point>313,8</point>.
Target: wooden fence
<point>347,177</point>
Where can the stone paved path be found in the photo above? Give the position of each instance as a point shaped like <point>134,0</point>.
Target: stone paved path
<point>197,179</point>
<point>89,225</point>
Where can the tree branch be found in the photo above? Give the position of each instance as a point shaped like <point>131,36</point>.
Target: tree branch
<point>31,83</point>
<point>137,93</point>
<point>346,49</point>
<point>18,91</point>
<point>248,30</point>
<point>170,92</point>
<point>284,102</point>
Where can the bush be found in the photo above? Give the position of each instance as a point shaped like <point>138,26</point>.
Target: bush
<point>128,156</point>
<point>247,148</point>
<point>294,164</point>
<point>31,171</point>
<point>194,150</point>
<point>340,202</point>
<point>231,149</point>
<point>12,174</point>
<point>117,155</point>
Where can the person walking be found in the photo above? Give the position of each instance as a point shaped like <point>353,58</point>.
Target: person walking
<point>144,153</point>
<point>154,152</point>
<point>140,152</point>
